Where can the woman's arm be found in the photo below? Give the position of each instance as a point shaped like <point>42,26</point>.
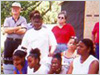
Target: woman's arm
<point>94,67</point>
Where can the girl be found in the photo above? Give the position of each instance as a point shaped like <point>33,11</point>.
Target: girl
<point>34,63</point>
<point>70,53</point>
<point>19,61</point>
<point>56,65</point>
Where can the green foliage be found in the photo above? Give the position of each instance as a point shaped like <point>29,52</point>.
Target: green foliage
<point>48,9</point>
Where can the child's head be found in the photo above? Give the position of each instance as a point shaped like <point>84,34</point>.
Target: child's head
<point>34,58</point>
<point>72,44</point>
<point>56,62</point>
<point>19,57</point>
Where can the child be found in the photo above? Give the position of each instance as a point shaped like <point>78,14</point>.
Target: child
<point>70,53</point>
<point>56,65</point>
<point>34,63</point>
<point>19,61</point>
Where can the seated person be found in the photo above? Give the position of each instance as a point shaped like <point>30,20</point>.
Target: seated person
<point>86,63</point>
<point>19,61</point>
<point>56,65</point>
<point>70,53</point>
<point>34,63</point>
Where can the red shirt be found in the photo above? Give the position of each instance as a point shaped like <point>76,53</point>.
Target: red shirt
<point>96,31</point>
<point>63,34</point>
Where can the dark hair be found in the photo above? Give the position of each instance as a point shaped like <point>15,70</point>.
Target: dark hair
<point>35,53</point>
<point>20,53</point>
<point>64,13</point>
<point>89,44</point>
<point>58,56</point>
<point>33,12</point>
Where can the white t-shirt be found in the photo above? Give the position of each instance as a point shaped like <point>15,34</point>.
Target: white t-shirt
<point>82,68</point>
<point>41,39</point>
<point>42,70</point>
<point>63,71</point>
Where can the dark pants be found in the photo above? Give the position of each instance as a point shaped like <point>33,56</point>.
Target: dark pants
<point>97,51</point>
<point>9,46</point>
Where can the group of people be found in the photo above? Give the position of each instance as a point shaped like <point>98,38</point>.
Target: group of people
<point>34,49</point>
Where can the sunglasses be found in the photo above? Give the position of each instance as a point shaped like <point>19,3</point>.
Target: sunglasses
<point>37,17</point>
<point>61,18</point>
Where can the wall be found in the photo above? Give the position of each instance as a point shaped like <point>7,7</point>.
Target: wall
<point>91,17</point>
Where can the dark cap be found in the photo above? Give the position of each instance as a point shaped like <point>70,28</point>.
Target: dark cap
<point>37,16</point>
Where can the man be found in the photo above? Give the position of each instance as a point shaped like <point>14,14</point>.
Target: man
<point>39,37</point>
<point>29,25</point>
<point>95,38</point>
<point>31,17</point>
<point>15,27</point>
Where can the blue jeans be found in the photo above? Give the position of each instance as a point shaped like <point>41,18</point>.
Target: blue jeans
<point>60,48</point>
<point>97,51</point>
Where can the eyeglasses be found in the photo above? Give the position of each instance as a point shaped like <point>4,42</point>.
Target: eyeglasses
<point>61,18</point>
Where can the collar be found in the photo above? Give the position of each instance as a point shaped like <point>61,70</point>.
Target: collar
<point>14,19</point>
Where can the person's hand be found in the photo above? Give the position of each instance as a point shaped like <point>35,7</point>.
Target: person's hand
<point>19,67</point>
<point>50,54</point>
<point>19,27</point>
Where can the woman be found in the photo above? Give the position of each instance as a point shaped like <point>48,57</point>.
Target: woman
<point>63,32</point>
<point>19,61</point>
<point>34,63</point>
<point>86,63</point>
<point>56,65</point>
<point>70,53</point>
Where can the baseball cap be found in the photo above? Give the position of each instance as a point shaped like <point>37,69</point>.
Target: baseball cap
<point>37,16</point>
<point>16,4</point>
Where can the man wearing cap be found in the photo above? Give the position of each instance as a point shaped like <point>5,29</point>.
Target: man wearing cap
<point>39,37</point>
<point>15,27</point>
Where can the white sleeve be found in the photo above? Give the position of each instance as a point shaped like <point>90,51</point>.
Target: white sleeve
<point>6,23</point>
<point>52,39</point>
<point>45,69</point>
<point>25,42</point>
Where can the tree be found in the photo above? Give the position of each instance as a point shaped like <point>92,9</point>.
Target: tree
<point>48,9</point>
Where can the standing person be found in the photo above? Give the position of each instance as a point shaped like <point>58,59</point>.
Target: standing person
<point>63,32</point>
<point>34,63</point>
<point>15,27</point>
<point>35,12</point>
<point>31,16</point>
<point>95,38</point>
<point>86,63</point>
<point>39,37</point>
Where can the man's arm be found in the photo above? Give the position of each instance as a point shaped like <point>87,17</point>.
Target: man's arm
<point>52,50</point>
<point>52,43</point>
<point>21,31</point>
<point>23,28</point>
<point>11,30</point>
